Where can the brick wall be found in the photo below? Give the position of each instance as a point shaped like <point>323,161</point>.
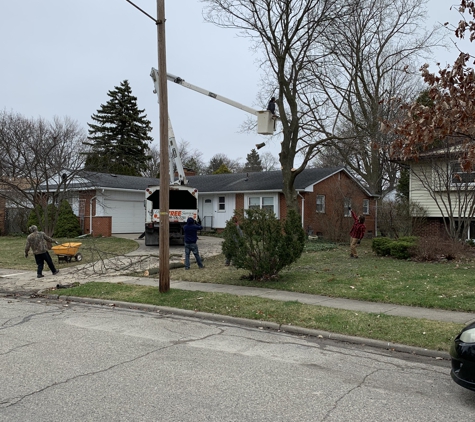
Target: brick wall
<point>433,227</point>
<point>239,201</point>
<point>332,223</point>
<point>101,226</point>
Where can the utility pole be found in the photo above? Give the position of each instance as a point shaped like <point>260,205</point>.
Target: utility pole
<point>164,247</point>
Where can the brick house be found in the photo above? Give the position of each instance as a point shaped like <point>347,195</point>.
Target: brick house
<point>323,195</point>
<point>111,204</point>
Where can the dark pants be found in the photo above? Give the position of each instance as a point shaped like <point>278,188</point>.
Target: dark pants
<point>192,247</point>
<point>41,258</point>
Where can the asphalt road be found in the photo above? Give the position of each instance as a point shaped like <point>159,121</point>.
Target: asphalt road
<point>79,362</point>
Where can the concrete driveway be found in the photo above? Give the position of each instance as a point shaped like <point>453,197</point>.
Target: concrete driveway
<point>113,269</point>
<point>208,246</point>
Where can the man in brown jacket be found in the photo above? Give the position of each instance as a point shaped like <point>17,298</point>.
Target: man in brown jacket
<point>37,242</point>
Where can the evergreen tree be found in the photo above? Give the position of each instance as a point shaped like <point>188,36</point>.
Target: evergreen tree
<point>223,169</point>
<point>253,162</point>
<point>218,160</point>
<point>263,245</point>
<point>68,223</point>
<point>119,135</point>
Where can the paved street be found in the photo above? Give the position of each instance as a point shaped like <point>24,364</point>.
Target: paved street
<point>78,362</point>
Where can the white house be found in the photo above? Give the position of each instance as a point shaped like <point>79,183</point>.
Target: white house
<point>115,203</point>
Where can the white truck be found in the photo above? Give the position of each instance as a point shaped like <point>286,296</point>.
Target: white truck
<point>183,200</point>
<point>183,204</point>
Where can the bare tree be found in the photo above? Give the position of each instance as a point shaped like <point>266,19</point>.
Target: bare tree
<point>39,161</point>
<point>371,56</point>
<point>269,162</point>
<point>190,158</point>
<point>153,165</point>
<point>287,33</point>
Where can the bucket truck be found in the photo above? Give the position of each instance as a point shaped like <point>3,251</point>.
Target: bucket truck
<point>183,200</point>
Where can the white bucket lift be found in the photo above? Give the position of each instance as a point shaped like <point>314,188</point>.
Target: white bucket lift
<point>266,121</point>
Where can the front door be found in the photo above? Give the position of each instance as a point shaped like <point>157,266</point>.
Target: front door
<point>207,218</point>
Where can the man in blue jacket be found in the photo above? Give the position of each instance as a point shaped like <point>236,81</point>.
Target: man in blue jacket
<point>191,236</point>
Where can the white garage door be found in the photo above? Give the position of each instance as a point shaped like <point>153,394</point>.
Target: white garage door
<point>128,216</point>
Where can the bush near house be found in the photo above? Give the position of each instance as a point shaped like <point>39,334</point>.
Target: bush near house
<point>421,248</point>
<point>433,248</point>
<point>264,245</point>
<point>37,217</point>
<point>402,248</point>
<point>67,224</point>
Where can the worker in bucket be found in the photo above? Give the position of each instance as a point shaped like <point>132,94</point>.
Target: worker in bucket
<point>271,106</point>
<point>36,240</point>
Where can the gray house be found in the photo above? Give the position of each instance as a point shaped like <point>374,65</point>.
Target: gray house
<point>115,203</point>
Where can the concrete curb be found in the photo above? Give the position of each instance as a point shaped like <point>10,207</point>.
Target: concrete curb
<point>259,325</point>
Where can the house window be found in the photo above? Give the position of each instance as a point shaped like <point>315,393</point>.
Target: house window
<point>254,203</point>
<point>366,206</point>
<point>460,176</point>
<point>268,203</point>
<point>347,204</point>
<point>321,203</point>
<point>221,203</point>
<point>264,202</point>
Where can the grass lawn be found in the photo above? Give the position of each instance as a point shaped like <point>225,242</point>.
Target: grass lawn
<point>432,335</point>
<point>12,251</point>
<point>331,272</point>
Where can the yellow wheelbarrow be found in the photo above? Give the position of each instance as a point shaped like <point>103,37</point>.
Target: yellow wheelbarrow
<point>67,251</point>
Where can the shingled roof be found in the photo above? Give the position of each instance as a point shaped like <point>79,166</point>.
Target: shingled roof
<point>267,181</point>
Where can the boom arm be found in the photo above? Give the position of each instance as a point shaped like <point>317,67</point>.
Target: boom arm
<point>182,82</point>
<point>174,156</point>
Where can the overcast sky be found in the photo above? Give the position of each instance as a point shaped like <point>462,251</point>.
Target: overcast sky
<point>61,57</point>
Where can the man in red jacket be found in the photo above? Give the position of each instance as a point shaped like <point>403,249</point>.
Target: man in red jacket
<point>357,232</point>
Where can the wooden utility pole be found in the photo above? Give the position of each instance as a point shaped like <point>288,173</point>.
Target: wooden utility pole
<point>164,247</point>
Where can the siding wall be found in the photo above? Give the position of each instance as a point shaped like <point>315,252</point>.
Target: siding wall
<point>419,194</point>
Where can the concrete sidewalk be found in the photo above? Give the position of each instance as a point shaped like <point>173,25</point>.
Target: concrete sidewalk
<point>25,282</point>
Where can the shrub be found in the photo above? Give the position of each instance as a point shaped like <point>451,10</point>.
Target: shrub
<point>434,249</point>
<point>37,217</point>
<point>67,224</point>
<point>266,245</point>
<point>400,217</point>
<point>382,245</point>
<point>410,239</point>
<point>400,249</point>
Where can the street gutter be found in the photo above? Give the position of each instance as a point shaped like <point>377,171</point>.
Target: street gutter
<point>319,334</point>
